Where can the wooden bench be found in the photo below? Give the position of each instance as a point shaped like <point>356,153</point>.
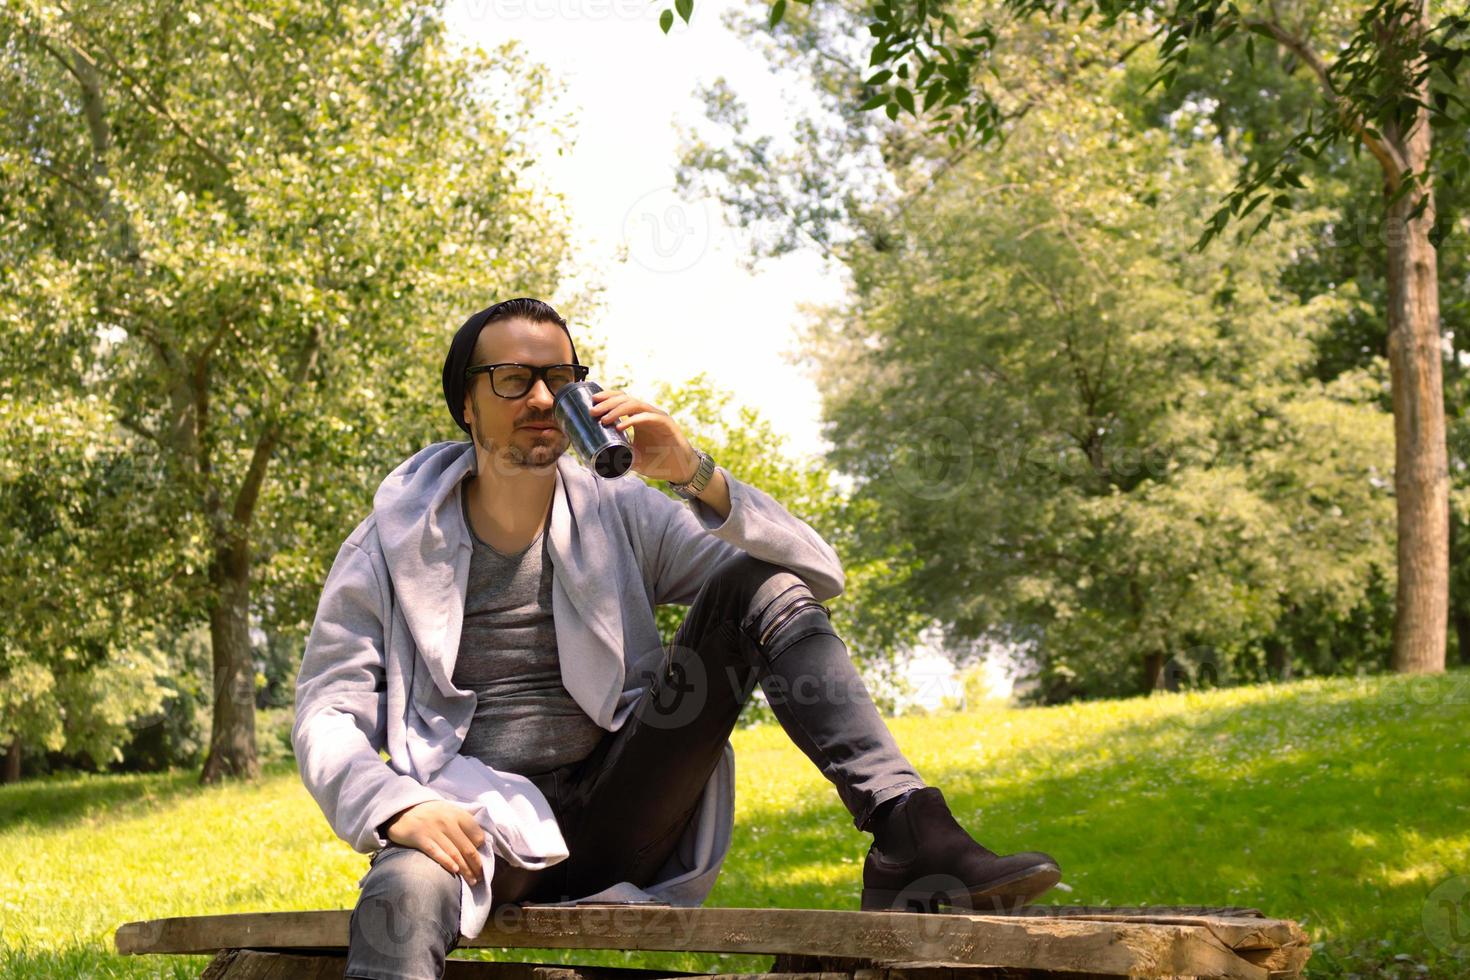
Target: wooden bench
<point>1071,942</point>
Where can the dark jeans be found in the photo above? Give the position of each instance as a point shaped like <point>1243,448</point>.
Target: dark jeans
<point>623,809</point>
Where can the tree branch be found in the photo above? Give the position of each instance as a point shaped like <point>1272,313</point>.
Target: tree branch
<point>86,192</point>
<point>136,425</point>
<point>265,447</point>
<point>1387,155</point>
<point>65,63</point>
<point>148,99</point>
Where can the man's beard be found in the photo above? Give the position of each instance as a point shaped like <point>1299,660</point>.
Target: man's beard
<point>539,454</point>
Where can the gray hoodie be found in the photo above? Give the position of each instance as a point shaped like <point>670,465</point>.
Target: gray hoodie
<point>375,674</point>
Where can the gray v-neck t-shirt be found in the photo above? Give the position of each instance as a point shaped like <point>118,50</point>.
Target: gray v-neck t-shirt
<point>525,720</point>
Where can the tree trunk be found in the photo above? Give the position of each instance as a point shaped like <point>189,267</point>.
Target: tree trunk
<point>1421,474</point>
<point>12,762</point>
<point>1462,633</point>
<point>232,735</point>
<point>1278,660</point>
<point>1153,672</point>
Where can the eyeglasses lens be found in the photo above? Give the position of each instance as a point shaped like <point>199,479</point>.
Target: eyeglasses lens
<point>513,381</point>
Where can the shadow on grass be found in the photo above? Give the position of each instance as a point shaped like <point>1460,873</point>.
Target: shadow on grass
<point>1340,805</point>
<point>54,801</point>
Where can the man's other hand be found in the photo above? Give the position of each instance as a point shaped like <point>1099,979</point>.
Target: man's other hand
<point>445,832</point>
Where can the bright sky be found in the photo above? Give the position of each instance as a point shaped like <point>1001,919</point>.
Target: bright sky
<point>676,301</point>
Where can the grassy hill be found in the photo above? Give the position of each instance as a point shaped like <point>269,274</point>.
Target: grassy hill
<point>1342,803</point>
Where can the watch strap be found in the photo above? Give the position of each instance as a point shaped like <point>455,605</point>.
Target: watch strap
<point>702,475</point>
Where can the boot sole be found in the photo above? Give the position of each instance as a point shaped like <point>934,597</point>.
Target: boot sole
<point>1003,895</point>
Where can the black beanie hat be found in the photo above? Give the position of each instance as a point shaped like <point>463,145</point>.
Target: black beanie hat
<point>462,348</point>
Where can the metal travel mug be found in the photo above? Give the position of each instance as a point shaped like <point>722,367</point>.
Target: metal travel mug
<point>603,448</point>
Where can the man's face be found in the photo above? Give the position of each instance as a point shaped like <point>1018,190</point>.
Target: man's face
<point>503,428</point>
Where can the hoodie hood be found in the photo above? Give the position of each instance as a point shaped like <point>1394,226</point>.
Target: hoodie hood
<point>427,549</point>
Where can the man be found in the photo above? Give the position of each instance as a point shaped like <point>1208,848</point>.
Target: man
<point>491,625</point>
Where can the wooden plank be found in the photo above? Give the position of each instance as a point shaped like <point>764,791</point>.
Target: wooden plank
<point>1284,961</point>
<point>508,970</point>
<point>923,971</point>
<point>500,970</point>
<point>775,976</point>
<point>1131,911</point>
<point>252,964</point>
<point>245,964</point>
<point>990,973</point>
<point>256,965</point>
<point>884,938</point>
<point>1237,933</point>
<point>926,971</point>
<point>1237,927</point>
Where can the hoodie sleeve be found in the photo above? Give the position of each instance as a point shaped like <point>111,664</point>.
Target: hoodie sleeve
<point>341,709</point>
<point>689,539</point>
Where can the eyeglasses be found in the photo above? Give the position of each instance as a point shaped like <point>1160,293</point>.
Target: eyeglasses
<point>514,380</point>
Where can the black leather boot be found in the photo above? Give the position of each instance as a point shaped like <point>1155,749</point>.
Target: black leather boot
<point>921,858</point>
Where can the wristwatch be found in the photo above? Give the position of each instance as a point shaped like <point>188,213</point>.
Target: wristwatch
<point>702,474</point>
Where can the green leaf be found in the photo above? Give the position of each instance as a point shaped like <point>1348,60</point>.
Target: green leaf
<point>879,78</point>
<point>1252,205</point>
<point>880,99</point>
<point>778,10</point>
<point>905,98</point>
<point>666,20</point>
<point>892,110</point>
<point>684,8</point>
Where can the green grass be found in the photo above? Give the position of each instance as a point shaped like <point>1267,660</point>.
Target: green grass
<point>1340,803</point>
